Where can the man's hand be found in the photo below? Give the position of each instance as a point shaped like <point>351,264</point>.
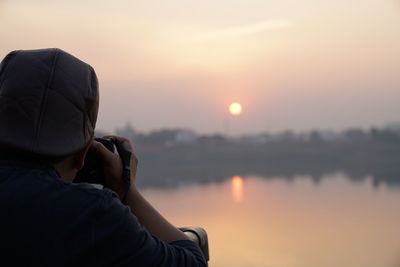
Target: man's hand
<point>113,165</point>
<point>154,222</point>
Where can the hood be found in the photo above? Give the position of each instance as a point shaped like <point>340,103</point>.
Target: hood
<point>48,102</point>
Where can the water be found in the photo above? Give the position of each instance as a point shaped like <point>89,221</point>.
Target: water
<point>260,222</point>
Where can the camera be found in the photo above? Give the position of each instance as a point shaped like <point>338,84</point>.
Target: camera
<point>92,171</point>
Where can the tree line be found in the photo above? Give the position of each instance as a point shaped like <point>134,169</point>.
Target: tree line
<point>171,157</point>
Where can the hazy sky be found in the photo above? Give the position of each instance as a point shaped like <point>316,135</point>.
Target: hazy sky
<point>293,64</point>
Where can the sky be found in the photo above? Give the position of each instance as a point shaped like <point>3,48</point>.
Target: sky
<point>292,64</point>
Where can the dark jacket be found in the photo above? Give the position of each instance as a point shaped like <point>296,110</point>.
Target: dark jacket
<point>47,222</point>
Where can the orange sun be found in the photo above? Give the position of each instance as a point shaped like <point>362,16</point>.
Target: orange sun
<point>235,108</point>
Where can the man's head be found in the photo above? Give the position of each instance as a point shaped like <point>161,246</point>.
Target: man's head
<point>48,103</point>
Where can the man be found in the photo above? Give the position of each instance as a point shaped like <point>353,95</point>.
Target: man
<point>48,111</point>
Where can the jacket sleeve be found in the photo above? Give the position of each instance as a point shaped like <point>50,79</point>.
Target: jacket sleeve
<point>120,240</point>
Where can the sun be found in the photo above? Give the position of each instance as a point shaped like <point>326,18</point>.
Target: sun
<point>235,108</point>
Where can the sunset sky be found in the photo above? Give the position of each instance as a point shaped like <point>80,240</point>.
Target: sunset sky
<point>292,64</point>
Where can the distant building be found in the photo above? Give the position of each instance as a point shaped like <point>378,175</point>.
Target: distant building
<point>331,136</point>
<point>185,137</point>
<point>394,127</point>
<point>321,136</point>
<point>256,139</point>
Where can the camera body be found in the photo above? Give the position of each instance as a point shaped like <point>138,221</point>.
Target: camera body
<point>92,171</point>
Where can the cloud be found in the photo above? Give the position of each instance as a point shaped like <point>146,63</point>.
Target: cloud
<point>244,30</point>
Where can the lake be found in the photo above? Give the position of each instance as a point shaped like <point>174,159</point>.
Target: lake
<point>272,221</point>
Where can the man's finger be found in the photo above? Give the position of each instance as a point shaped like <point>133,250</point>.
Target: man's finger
<point>101,150</point>
<point>125,143</point>
<point>114,137</point>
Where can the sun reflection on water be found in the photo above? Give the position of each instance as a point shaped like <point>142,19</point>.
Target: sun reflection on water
<point>237,188</point>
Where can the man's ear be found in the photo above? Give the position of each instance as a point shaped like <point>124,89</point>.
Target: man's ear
<point>79,159</point>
